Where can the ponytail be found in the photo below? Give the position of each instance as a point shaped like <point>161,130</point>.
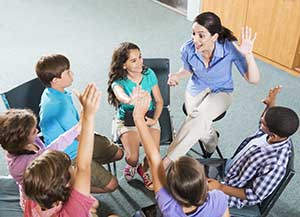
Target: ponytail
<point>226,34</point>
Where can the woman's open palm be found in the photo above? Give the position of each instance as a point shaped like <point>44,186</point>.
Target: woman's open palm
<point>247,41</point>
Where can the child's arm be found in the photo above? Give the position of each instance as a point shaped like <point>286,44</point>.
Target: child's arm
<point>66,139</point>
<point>121,95</point>
<point>270,100</point>
<point>140,108</point>
<point>229,190</point>
<point>226,214</point>
<point>158,106</point>
<point>90,101</point>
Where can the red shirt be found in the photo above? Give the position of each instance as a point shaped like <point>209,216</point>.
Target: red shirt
<point>78,205</point>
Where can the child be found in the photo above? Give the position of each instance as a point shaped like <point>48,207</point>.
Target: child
<point>126,73</point>
<point>58,114</point>
<point>260,161</point>
<point>18,136</point>
<point>187,193</point>
<point>54,186</point>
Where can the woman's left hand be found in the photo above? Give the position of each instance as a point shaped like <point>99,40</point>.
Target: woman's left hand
<point>150,121</point>
<point>247,41</point>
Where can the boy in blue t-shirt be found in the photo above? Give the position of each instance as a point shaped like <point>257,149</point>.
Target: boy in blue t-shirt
<point>58,114</point>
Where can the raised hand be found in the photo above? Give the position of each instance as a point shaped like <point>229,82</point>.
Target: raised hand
<point>173,80</point>
<point>270,100</point>
<point>141,105</point>
<point>90,100</point>
<point>134,95</point>
<point>247,41</point>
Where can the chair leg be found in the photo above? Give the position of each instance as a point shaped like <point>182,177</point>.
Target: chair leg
<point>206,154</point>
<point>115,168</point>
<point>202,147</point>
<point>109,168</point>
<point>219,152</point>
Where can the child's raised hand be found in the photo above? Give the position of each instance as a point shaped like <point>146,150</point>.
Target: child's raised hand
<point>90,100</point>
<point>141,105</point>
<point>134,95</point>
<point>270,100</point>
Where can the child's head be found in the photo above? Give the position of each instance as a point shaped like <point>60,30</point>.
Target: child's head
<point>54,68</point>
<point>281,121</point>
<point>47,180</point>
<point>17,129</point>
<point>127,57</point>
<point>187,182</point>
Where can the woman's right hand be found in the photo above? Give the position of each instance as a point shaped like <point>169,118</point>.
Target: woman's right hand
<point>173,80</point>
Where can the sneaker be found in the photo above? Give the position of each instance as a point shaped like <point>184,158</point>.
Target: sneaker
<point>129,172</point>
<point>146,178</point>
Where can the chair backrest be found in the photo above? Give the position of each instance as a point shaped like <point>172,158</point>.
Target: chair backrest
<point>161,67</point>
<point>269,202</point>
<point>25,96</point>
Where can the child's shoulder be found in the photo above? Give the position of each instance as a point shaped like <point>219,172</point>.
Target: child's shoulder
<point>55,105</point>
<point>219,199</point>
<point>51,95</point>
<point>149,74</point>
<point>78,203</point>
<point>121,82</point>
<point>216,194</point>
<point>148,71</point>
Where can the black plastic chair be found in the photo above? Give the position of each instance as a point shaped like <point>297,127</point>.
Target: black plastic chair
<point>161,67</point>
<point>25,96</point>
<point>204,152</point>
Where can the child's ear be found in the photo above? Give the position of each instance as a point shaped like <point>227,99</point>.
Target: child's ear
<point>54,81</point>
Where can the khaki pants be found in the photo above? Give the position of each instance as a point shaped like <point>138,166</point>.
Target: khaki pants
<point>104,152</point>
<point>201,111</point>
